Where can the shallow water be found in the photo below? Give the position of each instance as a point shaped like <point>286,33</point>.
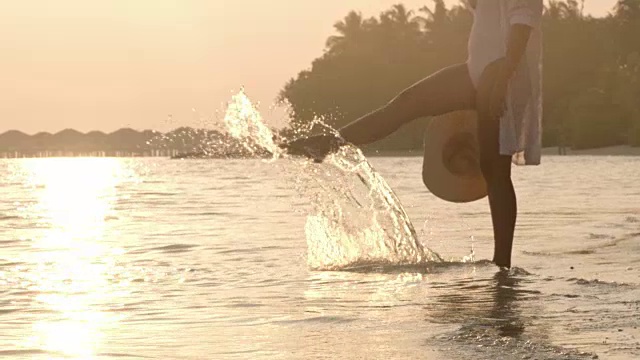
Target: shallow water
<point>153,258</point>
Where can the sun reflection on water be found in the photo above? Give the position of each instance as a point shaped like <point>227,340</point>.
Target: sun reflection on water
<point>73,281</point>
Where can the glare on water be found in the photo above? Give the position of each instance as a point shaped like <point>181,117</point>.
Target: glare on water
<point>72,261</point>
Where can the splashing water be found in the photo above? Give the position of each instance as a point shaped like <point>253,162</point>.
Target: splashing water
<point>357,220</point>
<point>244,123</point>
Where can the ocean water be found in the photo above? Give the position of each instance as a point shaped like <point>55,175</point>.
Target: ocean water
<point>217,259</point>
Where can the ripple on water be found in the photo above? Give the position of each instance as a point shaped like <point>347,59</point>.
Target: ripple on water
<point>473,342</point>
<point>25,352</point>
<point>499,317</point>
<point>167,249</point>
<point>599,283</point>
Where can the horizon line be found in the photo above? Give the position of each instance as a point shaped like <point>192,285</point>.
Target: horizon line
<point>100,131</point>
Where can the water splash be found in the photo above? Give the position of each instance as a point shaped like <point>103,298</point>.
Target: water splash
<point>244,122</point>
<point>356,219</point>
<point>471,258</point>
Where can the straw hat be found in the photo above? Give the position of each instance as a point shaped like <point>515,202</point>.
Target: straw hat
<point>451,168</point>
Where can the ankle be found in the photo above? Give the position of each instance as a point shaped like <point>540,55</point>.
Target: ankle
<point>502,262</point>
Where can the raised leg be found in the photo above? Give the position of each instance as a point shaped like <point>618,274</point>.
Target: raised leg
<point>447,90</point>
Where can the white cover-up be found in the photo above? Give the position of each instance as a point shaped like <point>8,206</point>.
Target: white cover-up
<point>520,126</point>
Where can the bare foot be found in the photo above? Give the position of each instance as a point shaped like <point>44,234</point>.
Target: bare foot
<point>314,147</point>
<point>502,263</point>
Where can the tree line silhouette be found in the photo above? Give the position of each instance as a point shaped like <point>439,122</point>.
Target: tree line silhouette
<point>591,71</point>
<point>183,142</point>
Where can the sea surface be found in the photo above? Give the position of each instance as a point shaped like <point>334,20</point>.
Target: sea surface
<point>106,258</point>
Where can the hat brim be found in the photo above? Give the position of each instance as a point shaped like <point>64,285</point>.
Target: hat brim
<point>437,177</point>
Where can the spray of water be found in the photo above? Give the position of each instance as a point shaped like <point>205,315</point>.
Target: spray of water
<point>244,122</point>
<point>356,219</point>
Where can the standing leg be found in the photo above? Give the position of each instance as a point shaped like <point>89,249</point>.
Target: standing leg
<point>496,169</point>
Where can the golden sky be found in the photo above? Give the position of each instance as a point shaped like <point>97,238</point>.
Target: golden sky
<point>158,64</point>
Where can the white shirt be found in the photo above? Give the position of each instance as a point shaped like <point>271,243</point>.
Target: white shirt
<point>520,126</point>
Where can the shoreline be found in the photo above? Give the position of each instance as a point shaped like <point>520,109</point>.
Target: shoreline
<point>618,150</point>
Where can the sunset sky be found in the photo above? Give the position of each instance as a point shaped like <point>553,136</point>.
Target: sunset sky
<point>158,64</point>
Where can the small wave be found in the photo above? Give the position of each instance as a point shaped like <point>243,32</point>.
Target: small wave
<point>379,266</point>
<point>170,249</point>
<point>151,193</point>
<point>568,296</point>
<point>507,341</point>
<point>596,282</point>
<point>586,251</point>
<point>518,271</point>
<point>10,217</point>
<point>253,250</point>
<point>581,252</point>
<point>210,213</point>
<point>424,267</point>
<point>15,241</point>
<point>537,253</point>
<point>593,236</point>
<point>122,355</point>
<point>319,320</point>
<point>612,241</point>
<point>245,305</point>
<point>10,263</point>
<point>22,352</point>
<point>385,267</point>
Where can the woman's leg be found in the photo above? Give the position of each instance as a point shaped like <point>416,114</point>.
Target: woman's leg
<point>496,169</point>
<point>447,90</point>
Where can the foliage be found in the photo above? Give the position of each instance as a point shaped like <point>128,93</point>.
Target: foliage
<point>591,70</point>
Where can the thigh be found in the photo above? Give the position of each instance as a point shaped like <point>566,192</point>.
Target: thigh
<point>447,90</point>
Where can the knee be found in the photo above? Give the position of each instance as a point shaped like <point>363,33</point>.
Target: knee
<point>496,170</point>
